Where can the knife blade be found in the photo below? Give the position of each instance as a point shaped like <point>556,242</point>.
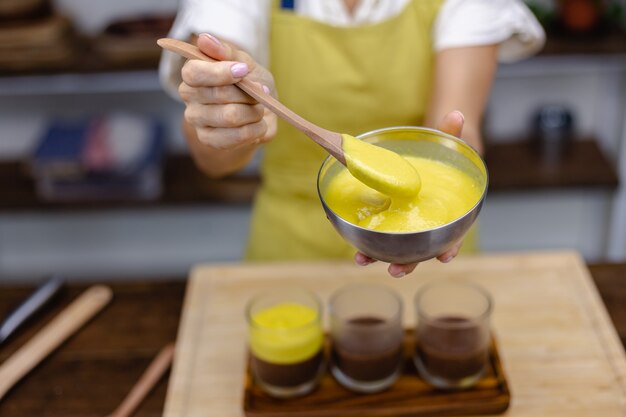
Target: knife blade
<point>40,297</point>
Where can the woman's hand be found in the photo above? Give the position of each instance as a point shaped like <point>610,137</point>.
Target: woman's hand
<point>224,117</point>
<point>452,124</point>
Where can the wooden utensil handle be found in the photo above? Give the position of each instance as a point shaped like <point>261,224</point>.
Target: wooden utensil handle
<point>313,131</point>
<point>331,141</point>
<point>66,323</point>
<point>148,380</point>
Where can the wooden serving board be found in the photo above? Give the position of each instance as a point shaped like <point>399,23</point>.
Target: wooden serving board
<point>409,396</point>
<point>561,355</point>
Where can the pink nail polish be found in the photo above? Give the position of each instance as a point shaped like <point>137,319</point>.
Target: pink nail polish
<point>239,70</point>
<point>460,115</point>
<point>211,38</point>
<point>266,89</point>
<point>399,274</point>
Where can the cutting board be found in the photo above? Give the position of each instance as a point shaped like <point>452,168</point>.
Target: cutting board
<point>560,352</point>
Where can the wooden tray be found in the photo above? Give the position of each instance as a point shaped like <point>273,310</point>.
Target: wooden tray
<point>560,352</point>
<point>409,396</point>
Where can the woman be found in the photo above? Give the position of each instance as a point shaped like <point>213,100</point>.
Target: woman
<point>347,65</point>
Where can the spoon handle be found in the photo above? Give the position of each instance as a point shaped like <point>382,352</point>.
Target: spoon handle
<point>151,376</point>
<point>331,141</point>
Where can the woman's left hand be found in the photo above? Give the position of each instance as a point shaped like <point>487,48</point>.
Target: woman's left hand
<point>452,124</point>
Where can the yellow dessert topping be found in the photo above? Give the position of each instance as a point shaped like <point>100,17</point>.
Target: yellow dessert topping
<point>380,168</point>
<point>446,194</point>
<point>285,333</point>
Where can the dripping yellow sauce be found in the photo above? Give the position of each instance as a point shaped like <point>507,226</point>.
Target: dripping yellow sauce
<point>380,169</point>
<point>446,193</point>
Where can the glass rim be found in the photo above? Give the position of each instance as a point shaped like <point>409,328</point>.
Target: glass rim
<point>397,314</point>
<point>314,321</point>
<point>470,321</point>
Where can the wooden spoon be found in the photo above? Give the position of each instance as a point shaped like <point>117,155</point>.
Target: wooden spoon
<point>376,167</point>
<point>331,141</point>
<point>146,383</point>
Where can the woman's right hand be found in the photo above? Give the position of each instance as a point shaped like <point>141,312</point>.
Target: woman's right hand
<point>223,116</point>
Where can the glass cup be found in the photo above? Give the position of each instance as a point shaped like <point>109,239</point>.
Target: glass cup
<point>285,339</point>
<point>367,337</point>
<point>452,336</point>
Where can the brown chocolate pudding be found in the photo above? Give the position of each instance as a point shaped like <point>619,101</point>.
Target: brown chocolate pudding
<point>368,349</point>
<point>452,348</point>
<point>291,375</point>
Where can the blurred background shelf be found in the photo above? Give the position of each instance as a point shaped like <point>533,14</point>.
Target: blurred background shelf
<point>610,43</point>
<point>516,166</point>
<point>183,185</point>
<point>93,76</point>
<point>512,167</point>
<point>78,83</point>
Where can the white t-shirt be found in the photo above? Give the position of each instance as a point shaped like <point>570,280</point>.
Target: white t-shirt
<point>459,23</point>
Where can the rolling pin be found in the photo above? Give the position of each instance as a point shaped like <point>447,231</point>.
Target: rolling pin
<point>65,324</point>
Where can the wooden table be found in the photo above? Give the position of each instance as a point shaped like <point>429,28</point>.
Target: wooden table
<point>91,373</point>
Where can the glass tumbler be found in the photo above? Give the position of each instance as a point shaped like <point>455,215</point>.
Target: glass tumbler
<point>452,336</point>
<point>367,337</point>
<point>285,340</point>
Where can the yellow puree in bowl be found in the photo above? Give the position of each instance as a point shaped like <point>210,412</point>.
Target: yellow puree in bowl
<point>446,194</point>
<point>285,333</point>
<point>380,168</point>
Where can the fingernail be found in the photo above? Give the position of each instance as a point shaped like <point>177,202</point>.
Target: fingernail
<point>266,89</point>
<point>211,38</point>
<point>460,115</point>
<point>399,274</point>
<point>239,70</point>
<point>448,259</point>
<point>362,262</point>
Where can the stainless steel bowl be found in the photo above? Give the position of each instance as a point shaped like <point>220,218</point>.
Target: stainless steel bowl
<point>413,246</point>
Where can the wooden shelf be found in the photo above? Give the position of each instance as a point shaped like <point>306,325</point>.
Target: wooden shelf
<point>512,167</point>
<point>88,60</point>
<point>557,43</point>
<point>610,43</point>
<point>50,44</point>
<point>183,185</point>
<point>517,166</point>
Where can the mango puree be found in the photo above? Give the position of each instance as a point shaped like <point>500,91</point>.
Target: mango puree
<point>380,168</point>
<point>446,194</point>
<point>285,333</point>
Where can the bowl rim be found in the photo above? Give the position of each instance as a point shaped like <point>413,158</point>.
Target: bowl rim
<point>417,129</point>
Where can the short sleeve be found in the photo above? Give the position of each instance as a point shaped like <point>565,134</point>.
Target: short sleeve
<point>242,22</point>
<point>509,23</point>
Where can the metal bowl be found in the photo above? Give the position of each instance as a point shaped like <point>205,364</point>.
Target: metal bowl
<point>412,246</point>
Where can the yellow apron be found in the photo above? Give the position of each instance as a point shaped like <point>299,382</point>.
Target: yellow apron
<point>350,80</point>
